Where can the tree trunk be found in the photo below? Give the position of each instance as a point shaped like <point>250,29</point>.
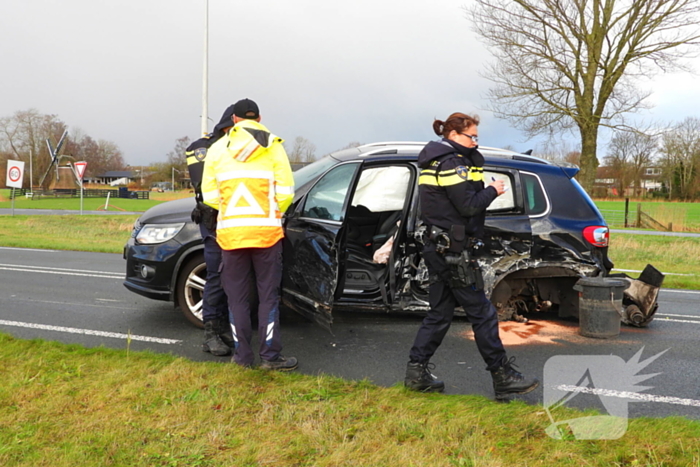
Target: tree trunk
<point>589,158</point>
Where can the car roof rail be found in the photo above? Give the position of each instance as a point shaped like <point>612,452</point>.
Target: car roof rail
<point>393,143</point>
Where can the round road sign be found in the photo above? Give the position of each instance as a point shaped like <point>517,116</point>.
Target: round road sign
<point>15,174</point>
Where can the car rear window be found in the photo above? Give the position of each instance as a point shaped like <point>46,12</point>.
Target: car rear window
<point>310,172</point>
<point>535,199</point>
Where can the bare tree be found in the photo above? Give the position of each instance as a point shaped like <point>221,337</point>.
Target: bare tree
<point>102,156</point>
<point>681,149</point>
<point>177,161</point>
<point>23,136</point>
<point>556,149</point>
<point>575,64</point>
<point>303,151</point>
<point>629,153</point>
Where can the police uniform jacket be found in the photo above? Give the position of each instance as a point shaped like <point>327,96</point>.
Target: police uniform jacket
<point>196,153</point>
<point>247,177</point>
<point>451,187</point>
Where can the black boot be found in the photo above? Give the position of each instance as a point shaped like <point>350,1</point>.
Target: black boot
<point>212,341</point>
<point>506,381</point>
<point>225,333</point>
<point>419,378</point>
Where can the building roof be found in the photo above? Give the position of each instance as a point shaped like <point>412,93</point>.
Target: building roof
<point>116,174</point>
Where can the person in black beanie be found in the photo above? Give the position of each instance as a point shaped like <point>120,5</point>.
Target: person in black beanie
<point>453,201</point>
<point>218,337</point>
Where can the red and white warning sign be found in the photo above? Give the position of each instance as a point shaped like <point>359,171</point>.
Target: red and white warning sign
<point>15,174</point>
<point>80,169</point>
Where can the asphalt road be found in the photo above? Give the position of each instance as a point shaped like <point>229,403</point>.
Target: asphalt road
<point>77,297</point>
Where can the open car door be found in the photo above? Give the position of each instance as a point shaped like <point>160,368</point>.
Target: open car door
<point>313,254</point>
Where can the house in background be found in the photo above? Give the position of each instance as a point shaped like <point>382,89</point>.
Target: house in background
<point>606,184</point>
<point>113,178</point>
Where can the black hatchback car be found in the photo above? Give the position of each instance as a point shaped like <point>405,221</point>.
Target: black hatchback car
<point>352,239</point>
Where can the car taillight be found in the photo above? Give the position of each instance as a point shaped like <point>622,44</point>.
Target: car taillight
<point>597,235</point>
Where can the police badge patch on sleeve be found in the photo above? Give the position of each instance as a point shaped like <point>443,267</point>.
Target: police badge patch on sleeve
<point>462,172</point>
<point>200,154</point>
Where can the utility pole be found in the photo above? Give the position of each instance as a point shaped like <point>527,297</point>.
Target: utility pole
<point>205,73</point>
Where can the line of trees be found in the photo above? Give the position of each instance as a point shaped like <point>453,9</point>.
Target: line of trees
<point>23,137</point>
<point>674,153</point>
<point>577,64</point>
<point>670,157</point>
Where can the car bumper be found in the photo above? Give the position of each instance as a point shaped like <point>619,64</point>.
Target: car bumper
<point>149,268</point>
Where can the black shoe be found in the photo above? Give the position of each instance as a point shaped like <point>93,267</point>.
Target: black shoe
<point>280,363</point>
<point>506,381</point>
<point>225,333</point>
<point>212,341</point>
<point>420,378</point>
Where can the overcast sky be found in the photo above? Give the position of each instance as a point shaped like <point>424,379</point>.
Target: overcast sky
<point>130,71</point>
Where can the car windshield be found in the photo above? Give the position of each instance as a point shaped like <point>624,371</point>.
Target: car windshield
<point>313,170</point>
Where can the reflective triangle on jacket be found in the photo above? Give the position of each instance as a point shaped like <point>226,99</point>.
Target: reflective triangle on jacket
<point>247,207</point>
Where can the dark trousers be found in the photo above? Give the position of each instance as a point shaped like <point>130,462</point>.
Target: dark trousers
<point>214,304</point>
<point>264,266</point>
<point>443,300</point>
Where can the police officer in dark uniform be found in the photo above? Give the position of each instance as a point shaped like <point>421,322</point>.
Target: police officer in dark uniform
<point>453,203</point>
<point>218,337</point>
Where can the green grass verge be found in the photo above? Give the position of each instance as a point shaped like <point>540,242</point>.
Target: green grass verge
<point>96,233</point>
<point>675,255</point>
<point>683,216</point>
<point>64,405</point>
<point>92,204</point>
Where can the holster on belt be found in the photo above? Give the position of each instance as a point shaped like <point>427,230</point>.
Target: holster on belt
<point>205,215</point>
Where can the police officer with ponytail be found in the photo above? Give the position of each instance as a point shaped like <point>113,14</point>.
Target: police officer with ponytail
<point>453,200</point>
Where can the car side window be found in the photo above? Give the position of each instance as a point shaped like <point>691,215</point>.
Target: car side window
<point>506,201</point>
<point>327,198</point>
<point>535,199</point>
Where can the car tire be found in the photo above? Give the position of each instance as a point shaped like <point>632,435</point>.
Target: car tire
<point>190,289</point>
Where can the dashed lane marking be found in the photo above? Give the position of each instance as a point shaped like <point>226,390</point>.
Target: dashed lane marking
<point>629,395</point>
<point>89,332</point>
<point>61,271</point>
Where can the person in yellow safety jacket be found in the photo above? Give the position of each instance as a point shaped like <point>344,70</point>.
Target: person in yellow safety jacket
<point>247,177</point>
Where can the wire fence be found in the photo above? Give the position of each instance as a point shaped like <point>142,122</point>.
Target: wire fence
<point>663,218</point>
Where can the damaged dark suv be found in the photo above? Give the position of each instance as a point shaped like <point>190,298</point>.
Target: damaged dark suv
<point>352,240</point>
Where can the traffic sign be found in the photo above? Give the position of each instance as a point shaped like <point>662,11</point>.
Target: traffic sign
<point>15,174</point>
<point>80,167</point>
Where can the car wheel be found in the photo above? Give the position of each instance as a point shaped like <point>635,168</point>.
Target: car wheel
<point>190,289</point>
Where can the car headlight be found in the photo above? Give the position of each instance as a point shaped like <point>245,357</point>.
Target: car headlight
<point>158,233</point>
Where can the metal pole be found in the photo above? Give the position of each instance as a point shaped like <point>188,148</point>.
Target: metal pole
<point>205,73</point>
<point>31,177</point>
<point>172,179</point>
<point>13,201</point>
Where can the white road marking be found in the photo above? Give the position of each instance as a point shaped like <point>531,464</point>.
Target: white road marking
<point>696,292</point>
<point>27,249</point>
<point>61,271</point>
<point>681,316</point>
<point>664,273</point>
<point>629,395</point>
<point>53,302</point>
<point>676,320</point>
<point>89,332</point>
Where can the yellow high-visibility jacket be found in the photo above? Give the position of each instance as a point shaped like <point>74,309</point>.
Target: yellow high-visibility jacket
<point>248,178</point>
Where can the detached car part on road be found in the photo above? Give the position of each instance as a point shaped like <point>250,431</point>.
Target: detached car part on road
<point>542,235</point>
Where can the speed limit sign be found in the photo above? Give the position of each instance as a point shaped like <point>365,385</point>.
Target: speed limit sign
<point>15,172</point>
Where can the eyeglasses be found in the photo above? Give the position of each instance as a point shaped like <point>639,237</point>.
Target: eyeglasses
<point>473,138</point>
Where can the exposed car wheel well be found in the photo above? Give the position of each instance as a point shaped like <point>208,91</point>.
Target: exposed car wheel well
<point>533,291</point>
